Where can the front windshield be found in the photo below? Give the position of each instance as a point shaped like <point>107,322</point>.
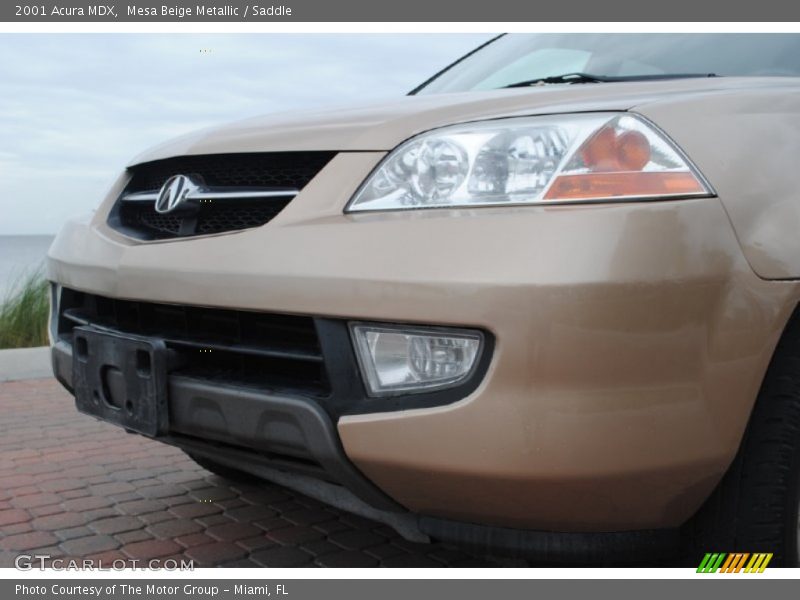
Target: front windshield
<point>519,58</point>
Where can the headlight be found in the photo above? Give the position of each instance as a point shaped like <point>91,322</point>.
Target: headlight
<point>532,160</point>
<point>396,359</point>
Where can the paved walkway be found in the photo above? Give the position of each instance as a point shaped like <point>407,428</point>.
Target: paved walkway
<point>73,487</point>
<point>25,363</point>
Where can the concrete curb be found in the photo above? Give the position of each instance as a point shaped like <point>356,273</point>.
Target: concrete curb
<point>25,363</point>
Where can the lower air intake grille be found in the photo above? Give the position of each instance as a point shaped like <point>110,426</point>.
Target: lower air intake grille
<point>265,351</point>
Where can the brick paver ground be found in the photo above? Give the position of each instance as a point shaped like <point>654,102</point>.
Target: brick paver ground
<point>73,487</point>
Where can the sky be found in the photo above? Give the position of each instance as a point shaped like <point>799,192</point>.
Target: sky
<point>74,109</point>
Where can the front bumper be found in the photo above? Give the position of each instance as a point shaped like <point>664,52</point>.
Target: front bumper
<point>293,442</point>
<point>631,341</point>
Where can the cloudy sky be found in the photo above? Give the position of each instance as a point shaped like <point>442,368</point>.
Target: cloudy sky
<point>75,108</point>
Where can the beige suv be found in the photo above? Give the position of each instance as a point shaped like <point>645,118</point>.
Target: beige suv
<point>545,304</point>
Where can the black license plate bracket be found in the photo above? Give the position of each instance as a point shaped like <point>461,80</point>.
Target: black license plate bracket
<point>121,379</point>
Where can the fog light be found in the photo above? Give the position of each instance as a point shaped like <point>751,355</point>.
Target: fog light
<point>396,359</point>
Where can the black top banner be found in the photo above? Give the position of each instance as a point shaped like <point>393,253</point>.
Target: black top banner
<point>405,11</point>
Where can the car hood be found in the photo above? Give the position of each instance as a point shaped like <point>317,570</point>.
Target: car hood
<point>382,126</point>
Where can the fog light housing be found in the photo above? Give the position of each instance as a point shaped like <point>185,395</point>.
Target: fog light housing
<point>397,359</point>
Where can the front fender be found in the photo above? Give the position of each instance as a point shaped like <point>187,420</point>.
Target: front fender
<point>747,144</point>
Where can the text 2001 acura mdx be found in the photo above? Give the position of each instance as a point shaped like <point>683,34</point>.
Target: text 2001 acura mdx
<point>546,304</point>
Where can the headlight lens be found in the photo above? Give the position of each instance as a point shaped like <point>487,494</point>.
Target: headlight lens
<point>531,160</point>
<point>396,359</point>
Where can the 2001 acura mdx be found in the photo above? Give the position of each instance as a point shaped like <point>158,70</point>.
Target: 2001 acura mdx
<point>545,304</point>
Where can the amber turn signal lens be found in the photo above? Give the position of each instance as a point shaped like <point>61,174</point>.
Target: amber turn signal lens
<point>628,183</point>
<point>633,151</point>
<point>610,150</point>
<point>599,152</point>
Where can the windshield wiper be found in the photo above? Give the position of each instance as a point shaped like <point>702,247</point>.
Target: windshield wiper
<point>589,78</point>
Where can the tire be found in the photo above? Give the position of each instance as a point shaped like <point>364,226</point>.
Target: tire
<point>755,507</point>
<point>223,471</point>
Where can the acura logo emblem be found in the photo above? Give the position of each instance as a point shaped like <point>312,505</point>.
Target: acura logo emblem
<point>175,192</point>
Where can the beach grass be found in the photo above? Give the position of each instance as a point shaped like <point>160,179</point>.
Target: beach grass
<point>24,313</point>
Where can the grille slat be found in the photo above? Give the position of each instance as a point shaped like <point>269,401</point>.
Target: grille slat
<point>288,171</point>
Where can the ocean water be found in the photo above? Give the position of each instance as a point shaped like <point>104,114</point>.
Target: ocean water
<point>19,256</point>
